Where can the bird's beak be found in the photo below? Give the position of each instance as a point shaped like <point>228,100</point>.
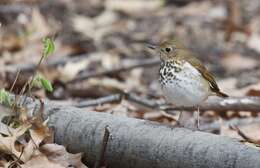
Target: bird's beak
<point>152,46</point>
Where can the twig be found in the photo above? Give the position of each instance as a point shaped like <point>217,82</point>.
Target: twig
<point>100,159</point>
<point>141,100</point>
<point>124,67</point>
<point>49,63</point>
<point>233,122</point>
<point>231,103</point>
<point>216,104</point>
<point>116,98</point>
<point>16,162</point>
<point>15,80</point>
<point>244,136</point>
<point>29,83</point>
<point>107,99</point>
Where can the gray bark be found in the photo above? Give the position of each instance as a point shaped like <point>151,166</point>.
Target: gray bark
<point>135,143</point>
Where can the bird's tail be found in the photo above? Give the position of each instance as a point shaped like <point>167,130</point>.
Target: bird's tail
<point>221,94</point>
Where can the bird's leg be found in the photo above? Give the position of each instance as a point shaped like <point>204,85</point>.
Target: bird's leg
<point>198,118</point>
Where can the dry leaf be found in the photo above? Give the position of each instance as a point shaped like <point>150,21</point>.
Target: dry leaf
<point>108,83</point>
<point>58,154</point>
<point>134,80</point>
<point>7,144</point>
<point>133,6</point>
<point>106,18</point>
<point>38,132</point>
<point>4,111</point>
<point>41,161</point>
<point>5,129</point>
<point>196,9</point>
<point>122,109</point>
<point>84,25</point>
<point>236,62</point>
<point>228,85</point>
<point>110,61</point>
<point>218,12</point>
<point>95,28</point>
<point>153,115</point>
<point>254,42</point>
<point>38,25</point>
<point>71,69</point>
<point>251,131</point>
<point>254,90</point>
<point>10,42</point>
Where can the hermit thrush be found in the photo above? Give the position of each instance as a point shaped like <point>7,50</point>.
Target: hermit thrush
<point>183,78</point>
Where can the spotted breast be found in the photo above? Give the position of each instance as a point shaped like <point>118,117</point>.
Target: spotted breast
<point>182,84</point>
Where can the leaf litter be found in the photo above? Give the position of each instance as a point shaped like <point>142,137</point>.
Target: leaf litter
<point>27,142</point>
<point>109,34</point>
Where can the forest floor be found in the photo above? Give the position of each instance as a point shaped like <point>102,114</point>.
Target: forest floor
<point>102,63</point>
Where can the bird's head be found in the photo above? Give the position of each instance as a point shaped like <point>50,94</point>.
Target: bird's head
<point>168,50</point>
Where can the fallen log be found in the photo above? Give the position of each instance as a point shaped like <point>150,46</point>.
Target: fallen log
<point>135,143</point>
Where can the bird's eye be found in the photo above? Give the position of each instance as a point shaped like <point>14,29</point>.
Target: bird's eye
<point>168,49</point>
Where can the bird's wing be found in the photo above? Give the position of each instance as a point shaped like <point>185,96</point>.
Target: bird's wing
<point>206,74</point>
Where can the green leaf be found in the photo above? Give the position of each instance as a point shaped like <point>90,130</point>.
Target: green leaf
<point>49,46</point>
<point>5,97</point>
<point>46,85</point>
<point>37,80</point>
<point>41,82</point>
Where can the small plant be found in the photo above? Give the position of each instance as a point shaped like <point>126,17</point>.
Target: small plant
<point>40,81</point>
<point>48,48</point>
<point>36,79</point>
<point>16,120</point>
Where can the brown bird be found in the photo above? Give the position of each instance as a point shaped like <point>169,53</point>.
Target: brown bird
<point>184,79</point>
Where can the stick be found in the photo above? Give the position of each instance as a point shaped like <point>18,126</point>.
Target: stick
<point>233,122</point>
<point>100,159</point>
<point>115,98</point>
<point>231,103</point>
<point>251,104</point>
<point>15,80</point>
<point>244,136</point>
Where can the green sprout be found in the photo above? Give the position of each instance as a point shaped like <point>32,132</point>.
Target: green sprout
<point>49,47</point>
<point>40,81</point>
